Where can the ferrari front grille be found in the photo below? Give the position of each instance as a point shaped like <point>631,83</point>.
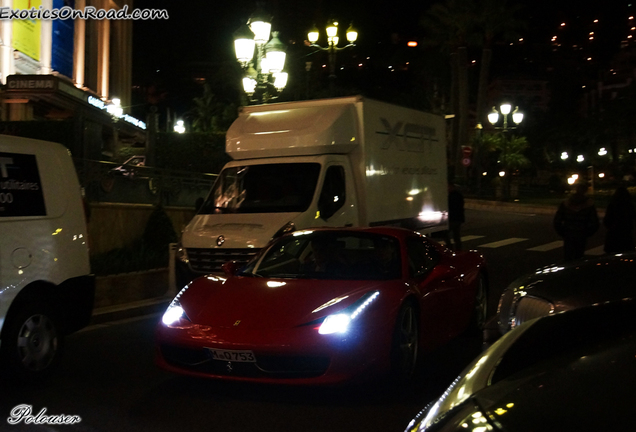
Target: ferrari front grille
<point>198,360</point>
<point>211,260</point>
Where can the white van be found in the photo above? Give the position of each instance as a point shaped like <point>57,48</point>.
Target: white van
<point>347,161</point>
<point>46,286</point>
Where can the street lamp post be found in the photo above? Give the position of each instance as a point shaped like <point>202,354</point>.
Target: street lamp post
<point>262,59</point>
<point>332,46</point>
<point>504,111</point>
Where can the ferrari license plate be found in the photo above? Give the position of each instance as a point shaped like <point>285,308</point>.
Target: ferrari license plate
<point>232,355</point>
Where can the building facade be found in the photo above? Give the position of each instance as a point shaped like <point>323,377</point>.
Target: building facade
<point>69,80</point>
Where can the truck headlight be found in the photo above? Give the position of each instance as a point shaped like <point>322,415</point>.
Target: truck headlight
<point>287,228</point>
<point>181,254</point>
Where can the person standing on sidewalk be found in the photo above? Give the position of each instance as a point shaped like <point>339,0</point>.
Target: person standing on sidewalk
<point>576,220</point>
<point>619,222</point>
<point>456,217</point>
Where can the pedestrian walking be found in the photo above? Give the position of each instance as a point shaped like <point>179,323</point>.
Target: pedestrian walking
<point>576,220</point>
<point>456,217</point>
<point>619,222</point>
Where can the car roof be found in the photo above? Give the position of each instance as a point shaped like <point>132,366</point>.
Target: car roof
<point>598,277</point>
<point>574,363</point>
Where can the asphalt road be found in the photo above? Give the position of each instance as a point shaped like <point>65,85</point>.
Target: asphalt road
<point>109,380</point>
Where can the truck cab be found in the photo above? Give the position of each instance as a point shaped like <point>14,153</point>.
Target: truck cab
<point>333,162</point>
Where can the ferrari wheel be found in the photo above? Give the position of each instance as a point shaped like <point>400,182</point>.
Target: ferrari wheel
<point>31,342</point>
<point>405,342</point>
<point>480,310</point>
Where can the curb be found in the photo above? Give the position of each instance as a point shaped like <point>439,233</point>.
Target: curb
<point>130,310</point>
<point>512,207</point>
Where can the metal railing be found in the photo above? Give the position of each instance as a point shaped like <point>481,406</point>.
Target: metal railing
<point>111,182</point>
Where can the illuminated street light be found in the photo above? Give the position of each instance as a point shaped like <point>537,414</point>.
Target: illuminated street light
<point>504,109</point>
<point>602,151</point>
<point>179,127</point>
<point>262,58</point>
<point>332,45</point>
<point>564,155</point>
<point>580,158</point>
<point>115,109</point>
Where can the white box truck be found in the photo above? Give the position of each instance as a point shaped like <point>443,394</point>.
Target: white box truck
<point>47,289</point>
<point>337,162</point>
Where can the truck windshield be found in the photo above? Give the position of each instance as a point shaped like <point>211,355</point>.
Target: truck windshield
<point>269,188</point>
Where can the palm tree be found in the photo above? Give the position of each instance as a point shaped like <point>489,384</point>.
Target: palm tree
<point>497,19</point>
<point>451,25</point>
<point>210,113</point>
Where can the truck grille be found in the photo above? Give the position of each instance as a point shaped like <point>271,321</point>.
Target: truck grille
<point>211,260</point>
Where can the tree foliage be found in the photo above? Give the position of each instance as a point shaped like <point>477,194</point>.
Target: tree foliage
<point>455,26</point>
<point>211,113</point>
<point>509,149</point>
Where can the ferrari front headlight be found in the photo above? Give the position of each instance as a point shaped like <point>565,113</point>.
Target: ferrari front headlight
<point>339,322</point>
<point>175,313</point>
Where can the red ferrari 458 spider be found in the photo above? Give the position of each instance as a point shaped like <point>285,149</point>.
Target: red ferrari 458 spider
<point>325,306</point>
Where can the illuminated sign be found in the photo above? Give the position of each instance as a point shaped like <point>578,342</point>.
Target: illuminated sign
<point>100,104</point>
<point>134,121</point>
<point>96,102</point>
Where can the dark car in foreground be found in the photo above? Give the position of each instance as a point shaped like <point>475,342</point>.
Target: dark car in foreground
<point>559,288</point>
<point>325,306</point>
<point>572,371</point>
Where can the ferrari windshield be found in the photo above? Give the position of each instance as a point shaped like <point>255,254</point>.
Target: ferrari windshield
<point>329,255</point>
<point>269,188</point>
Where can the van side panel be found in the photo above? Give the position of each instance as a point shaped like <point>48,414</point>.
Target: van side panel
<point>49,249</point>
<point>404,166</point>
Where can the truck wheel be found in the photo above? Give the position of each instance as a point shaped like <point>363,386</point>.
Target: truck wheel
<point>405,349</point>
<point>31,342</point>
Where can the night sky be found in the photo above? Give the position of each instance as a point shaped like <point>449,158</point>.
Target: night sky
<point>201,30</point>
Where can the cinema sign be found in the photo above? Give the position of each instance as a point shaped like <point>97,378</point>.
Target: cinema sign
<point>31,82</point>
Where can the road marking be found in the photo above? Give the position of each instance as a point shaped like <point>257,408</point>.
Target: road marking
<point>505,242</point>
<point>548,246</point>
<point>595,251</point>
<point>471,237</point>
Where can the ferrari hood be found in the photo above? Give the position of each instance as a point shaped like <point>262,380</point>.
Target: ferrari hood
<point>262,304</point>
